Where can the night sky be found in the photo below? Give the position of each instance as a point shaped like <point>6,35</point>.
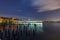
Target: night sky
<point>35,9</point>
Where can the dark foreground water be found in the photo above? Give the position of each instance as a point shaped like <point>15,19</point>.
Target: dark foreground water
<point>31,36</point>
<point>47,34</point>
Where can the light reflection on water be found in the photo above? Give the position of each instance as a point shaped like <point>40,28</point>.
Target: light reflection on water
<point>30,27</point>
<point>23,29</point>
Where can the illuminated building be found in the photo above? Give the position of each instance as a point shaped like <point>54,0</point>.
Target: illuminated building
<point>37,26</point>
<point>4,21</point>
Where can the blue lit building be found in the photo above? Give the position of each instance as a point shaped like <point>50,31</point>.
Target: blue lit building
<point>37,26</point>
